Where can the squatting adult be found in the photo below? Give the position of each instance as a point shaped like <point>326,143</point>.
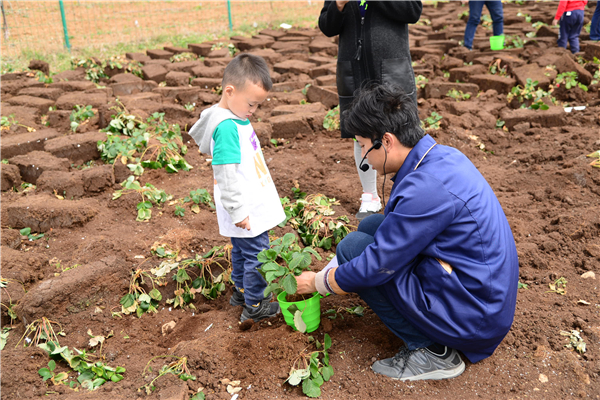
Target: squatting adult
<point>440,267</point>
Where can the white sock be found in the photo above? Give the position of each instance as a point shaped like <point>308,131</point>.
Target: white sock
<point>368,179</point>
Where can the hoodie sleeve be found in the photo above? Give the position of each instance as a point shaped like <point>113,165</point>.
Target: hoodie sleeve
<point>232,197</point>
<point>331,19</point>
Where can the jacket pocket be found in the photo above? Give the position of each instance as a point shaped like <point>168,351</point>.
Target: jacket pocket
<point>399,72</point>
<point>345,79</point>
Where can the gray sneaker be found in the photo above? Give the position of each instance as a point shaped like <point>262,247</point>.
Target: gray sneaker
<point>237,298</point>
<point>264,309</point>
<point>421,364</point>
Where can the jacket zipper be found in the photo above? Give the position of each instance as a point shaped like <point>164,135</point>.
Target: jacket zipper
<point>360,39</point>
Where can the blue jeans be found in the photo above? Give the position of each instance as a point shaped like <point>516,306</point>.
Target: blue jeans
<point>352,246</point>
<point>245,265</point>
<point>570,28</point>
<point>475,9</point>
<point>595,27</point>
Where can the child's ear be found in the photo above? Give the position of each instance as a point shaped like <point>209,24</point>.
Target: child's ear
<point>229,89</point>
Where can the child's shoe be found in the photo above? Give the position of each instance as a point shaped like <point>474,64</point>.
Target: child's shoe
<point>264,309</point>
<point>237,298</point>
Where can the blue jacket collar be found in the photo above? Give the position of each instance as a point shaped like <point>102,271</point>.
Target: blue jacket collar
<point>413,158</point>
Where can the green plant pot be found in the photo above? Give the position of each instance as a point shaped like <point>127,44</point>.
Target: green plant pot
<point>497,42</point>
<point>311,311</point>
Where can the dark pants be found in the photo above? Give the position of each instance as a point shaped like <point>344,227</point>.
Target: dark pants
<point>352,246</point>
<point>570,28</point>
<point>245,273</point>
<point>475,9</point>
<point>595,26</point>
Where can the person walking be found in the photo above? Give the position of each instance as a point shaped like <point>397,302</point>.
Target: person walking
<point>373,47</point>
<point>475,10</point>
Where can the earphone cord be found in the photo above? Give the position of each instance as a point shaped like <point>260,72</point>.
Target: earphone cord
<point>384,176</point>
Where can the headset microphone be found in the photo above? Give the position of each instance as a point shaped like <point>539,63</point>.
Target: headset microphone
<point>376,146</point>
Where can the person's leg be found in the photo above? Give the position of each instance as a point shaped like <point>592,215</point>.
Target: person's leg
<point>576,24</point>
<point>595,25</point>
<point>497,14</point>
<point>562,33</point>
<point>475,8</point>
<point>237,266</point>
<point>356,242</point>
<point>421,358</point>
<point>253,282</point>
<point>391,317</point>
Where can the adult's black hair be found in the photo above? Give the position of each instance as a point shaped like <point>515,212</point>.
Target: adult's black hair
<point>247,67</point>
<point>380,108</point>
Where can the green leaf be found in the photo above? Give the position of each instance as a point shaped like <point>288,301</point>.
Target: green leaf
<point>311,388</point>
<point>327,372</point>
<point>327,342</point>
<point>156,295</point>
<point>270,266</point>
<point>289,283</point>
<point>51,365</point>
<point>45,373</point>
<point>61,377</point>
<point>25,231</point>
<point>86,376</point>
<point>127,300</point>
<point>144,298</point>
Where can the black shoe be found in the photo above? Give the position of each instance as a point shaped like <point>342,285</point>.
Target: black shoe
<point>237,298</point>
<point>421,364</point>
<point>264,309</point>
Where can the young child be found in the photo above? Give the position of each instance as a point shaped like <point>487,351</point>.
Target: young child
<point>246,199</point>
<point>570,15</point>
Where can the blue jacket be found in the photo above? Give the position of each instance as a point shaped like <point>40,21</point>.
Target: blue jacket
<point>443,210</point>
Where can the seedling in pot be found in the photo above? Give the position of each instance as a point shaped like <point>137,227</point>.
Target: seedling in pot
<point>312,369</point>
<point>178,368</point>
<point>282,262</point>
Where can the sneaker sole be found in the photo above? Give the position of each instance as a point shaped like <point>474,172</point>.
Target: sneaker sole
<point>437,375</point>
<point>244,318</point>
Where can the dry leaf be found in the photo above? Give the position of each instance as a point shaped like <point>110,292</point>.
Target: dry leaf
<point>58,196</point>
<point>583,302</point>
<point>543,378</point>
<point>233,390</point>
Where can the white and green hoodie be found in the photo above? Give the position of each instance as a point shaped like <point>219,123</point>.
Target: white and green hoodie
<point>243,184</point>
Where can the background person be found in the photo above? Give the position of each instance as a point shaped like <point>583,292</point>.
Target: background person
<point>475,10</point>
<point>570,15</point>
<point>440,268</point>
<point>373,47</point>
<point>595,24</point>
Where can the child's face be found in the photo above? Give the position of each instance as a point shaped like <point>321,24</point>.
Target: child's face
<point>244,102</point>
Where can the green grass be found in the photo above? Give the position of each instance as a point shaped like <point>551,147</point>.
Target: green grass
<point>61,61</point>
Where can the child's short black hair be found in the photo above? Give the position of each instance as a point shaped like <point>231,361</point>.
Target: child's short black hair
<point>247,67</point>
<point>378,109</point>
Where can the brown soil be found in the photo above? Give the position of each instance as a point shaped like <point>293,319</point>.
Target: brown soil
<point>539,171</point>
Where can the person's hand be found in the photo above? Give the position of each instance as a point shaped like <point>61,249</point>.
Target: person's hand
<point>554,22</point>
<point>341,4</point>
<point>245,224</point>
<point>306,282</point>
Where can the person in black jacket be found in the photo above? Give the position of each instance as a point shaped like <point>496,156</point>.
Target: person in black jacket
<point>373,48</point>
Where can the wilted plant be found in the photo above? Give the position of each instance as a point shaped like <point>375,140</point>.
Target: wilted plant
<point>312,369</point>
<point>331,121</point>
<point>178,368</point>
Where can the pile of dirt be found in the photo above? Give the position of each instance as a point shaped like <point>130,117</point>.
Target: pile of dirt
<point>77,272</point>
